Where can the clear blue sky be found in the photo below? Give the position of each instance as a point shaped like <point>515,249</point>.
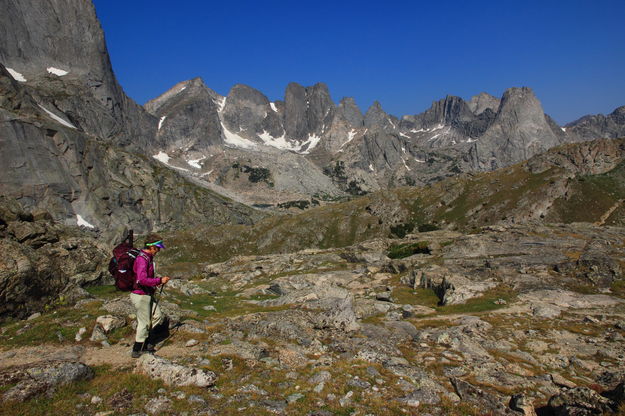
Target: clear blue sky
<point>404,54</point>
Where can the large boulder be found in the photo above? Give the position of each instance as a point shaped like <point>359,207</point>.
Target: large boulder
<point>580,401</point>
<point>41,378</point>
<point>174,374</point>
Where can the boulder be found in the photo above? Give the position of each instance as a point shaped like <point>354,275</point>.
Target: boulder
<point>109,323</point>
<point>580,401</point>
<point>174,374</point>
<point>523,404</point>
<point>42,378</point>
<point>158,405</point>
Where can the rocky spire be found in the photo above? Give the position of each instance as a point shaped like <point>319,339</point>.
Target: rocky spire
<point>350,112</point>
<point>479,103</point>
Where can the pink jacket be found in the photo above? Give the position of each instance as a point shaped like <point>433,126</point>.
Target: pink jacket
<point>144,272</point>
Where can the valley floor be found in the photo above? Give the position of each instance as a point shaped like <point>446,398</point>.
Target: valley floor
<point>530,318</point>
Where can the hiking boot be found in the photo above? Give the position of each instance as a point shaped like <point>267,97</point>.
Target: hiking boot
<point>136,350</point>
<point>148,346</point>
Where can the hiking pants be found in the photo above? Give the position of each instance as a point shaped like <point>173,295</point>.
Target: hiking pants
<point>142,305</point>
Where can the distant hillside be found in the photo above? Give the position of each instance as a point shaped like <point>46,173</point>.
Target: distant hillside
<point>574,182</point>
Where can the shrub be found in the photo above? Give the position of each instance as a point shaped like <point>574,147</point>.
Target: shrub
<point>400,230</point>
<point>399,251</point>
<point>423,228</point>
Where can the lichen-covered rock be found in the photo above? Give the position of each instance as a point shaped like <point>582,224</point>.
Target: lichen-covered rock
<point>580,401</point>
<point>174,374</point>
<point>109,323</point>
<point>158,405</point>
<point>42,378</point>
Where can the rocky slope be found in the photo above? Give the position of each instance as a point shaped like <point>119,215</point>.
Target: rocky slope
<point>510,320</point>
<point>57,50</point>
<point>63,118</point>
<point>44,264</point>
<point>50,165</point>
<point>580,182</point>
<point>599,125</point>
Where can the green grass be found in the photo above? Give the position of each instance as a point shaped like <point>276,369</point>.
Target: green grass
<point>400,251</point>
<point>618,288</point>
<point>226,304</point>
<point>104,291</point>
<point>46,329</point>
<point>590,196</point>
<point>408,296</point>
<point>483,303</point>
<point>105,384</point>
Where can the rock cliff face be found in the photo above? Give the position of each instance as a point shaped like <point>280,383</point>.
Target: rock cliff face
<point>518,131</point>
<point>187,116</point>
<point>63,117</point>
<point>57,49</point>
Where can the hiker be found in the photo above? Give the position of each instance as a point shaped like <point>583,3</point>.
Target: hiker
<point>149,314</point>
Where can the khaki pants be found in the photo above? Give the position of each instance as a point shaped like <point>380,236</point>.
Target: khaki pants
<point>142,305</point>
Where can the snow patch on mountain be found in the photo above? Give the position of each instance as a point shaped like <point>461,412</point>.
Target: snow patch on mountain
<point>273,107</point>
<point>57,71</point>
<point>16,75</point>
<point>57,118</point>
<point>196,162</point>
<point>81,222</point>
<point>350,137</point>
<point>278,142</point>
<point>405,165</point>
<point>438,127</point>
<point>310,144</point>
<point>160,122</point>
<point>162,157</point>
<point>221,104</point>
<point>234,140</point>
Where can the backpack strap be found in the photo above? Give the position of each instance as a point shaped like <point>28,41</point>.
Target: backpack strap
<point>150,260</point>
<point>145,256</point>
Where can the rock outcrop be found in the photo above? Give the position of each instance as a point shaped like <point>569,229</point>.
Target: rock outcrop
<point>174,374</point>
<point>43,378</point>
<point>44,263</point>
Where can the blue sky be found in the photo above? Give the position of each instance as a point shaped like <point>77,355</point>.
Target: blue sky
<point>404,54</point>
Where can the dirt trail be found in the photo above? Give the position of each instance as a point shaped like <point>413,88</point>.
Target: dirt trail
<point>115,356</point>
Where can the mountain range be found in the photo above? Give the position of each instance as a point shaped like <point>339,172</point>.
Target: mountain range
<point>75,144</point>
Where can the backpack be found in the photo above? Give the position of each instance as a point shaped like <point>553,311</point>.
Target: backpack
<point>122,262</point>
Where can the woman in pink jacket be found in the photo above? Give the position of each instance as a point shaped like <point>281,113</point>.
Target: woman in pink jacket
<point>149,313</point>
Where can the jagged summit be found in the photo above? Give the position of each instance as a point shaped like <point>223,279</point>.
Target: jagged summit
<point>483,101</point>
<point>303,147</point>
<point>599,125</point>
